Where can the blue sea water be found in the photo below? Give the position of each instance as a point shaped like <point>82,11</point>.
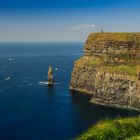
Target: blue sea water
<point>33,111</point>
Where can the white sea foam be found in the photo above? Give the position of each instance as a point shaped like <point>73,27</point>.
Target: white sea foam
<point>7,78</point>
<point>45,83</point>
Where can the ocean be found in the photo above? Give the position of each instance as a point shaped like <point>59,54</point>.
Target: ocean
<point>30,110</point>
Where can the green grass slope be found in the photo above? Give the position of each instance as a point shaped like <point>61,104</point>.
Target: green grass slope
<point>118,129</point>
<point>134,138</point>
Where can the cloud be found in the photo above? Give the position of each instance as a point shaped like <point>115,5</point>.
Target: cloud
<point>82,26</point>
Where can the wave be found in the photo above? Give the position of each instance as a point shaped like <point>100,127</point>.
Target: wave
<point>45,83</point>
<point>8,78</point>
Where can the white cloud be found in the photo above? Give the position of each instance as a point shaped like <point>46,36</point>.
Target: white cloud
<point>81,27</point>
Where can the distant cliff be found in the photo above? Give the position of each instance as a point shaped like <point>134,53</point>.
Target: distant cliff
<point>110,69</point>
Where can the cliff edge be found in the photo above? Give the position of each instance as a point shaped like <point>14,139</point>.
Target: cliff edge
<point>110,69</point>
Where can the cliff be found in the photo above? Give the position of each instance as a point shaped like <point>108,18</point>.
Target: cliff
<point>110,69</point>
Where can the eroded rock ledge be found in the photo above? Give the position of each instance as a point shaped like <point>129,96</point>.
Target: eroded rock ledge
<point>110,69</point>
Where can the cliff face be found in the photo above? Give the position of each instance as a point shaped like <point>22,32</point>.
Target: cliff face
<point>110,69</point>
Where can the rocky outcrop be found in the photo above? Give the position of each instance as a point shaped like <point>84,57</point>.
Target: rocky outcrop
<point>50,76</point>
<point>110,69</point>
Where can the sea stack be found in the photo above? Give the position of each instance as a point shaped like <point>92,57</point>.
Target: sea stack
<point>50,76</point>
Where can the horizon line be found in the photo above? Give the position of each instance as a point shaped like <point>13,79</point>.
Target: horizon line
<point>42,41</point>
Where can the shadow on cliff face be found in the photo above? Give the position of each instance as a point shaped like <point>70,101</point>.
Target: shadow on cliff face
<point>93,113</point>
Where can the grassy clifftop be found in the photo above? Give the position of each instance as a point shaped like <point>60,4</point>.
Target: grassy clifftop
<point>118,129</point>
<point>113,36</point>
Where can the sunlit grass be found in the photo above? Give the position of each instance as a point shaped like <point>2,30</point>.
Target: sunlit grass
<point>118,129</point>
<point>121,70</point>
<point>113,36</point>
<point>126,70</point>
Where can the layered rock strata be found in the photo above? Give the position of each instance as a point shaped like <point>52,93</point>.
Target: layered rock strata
<point>110,69</point>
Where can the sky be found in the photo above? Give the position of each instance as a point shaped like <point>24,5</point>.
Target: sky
<point>65,20</point>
